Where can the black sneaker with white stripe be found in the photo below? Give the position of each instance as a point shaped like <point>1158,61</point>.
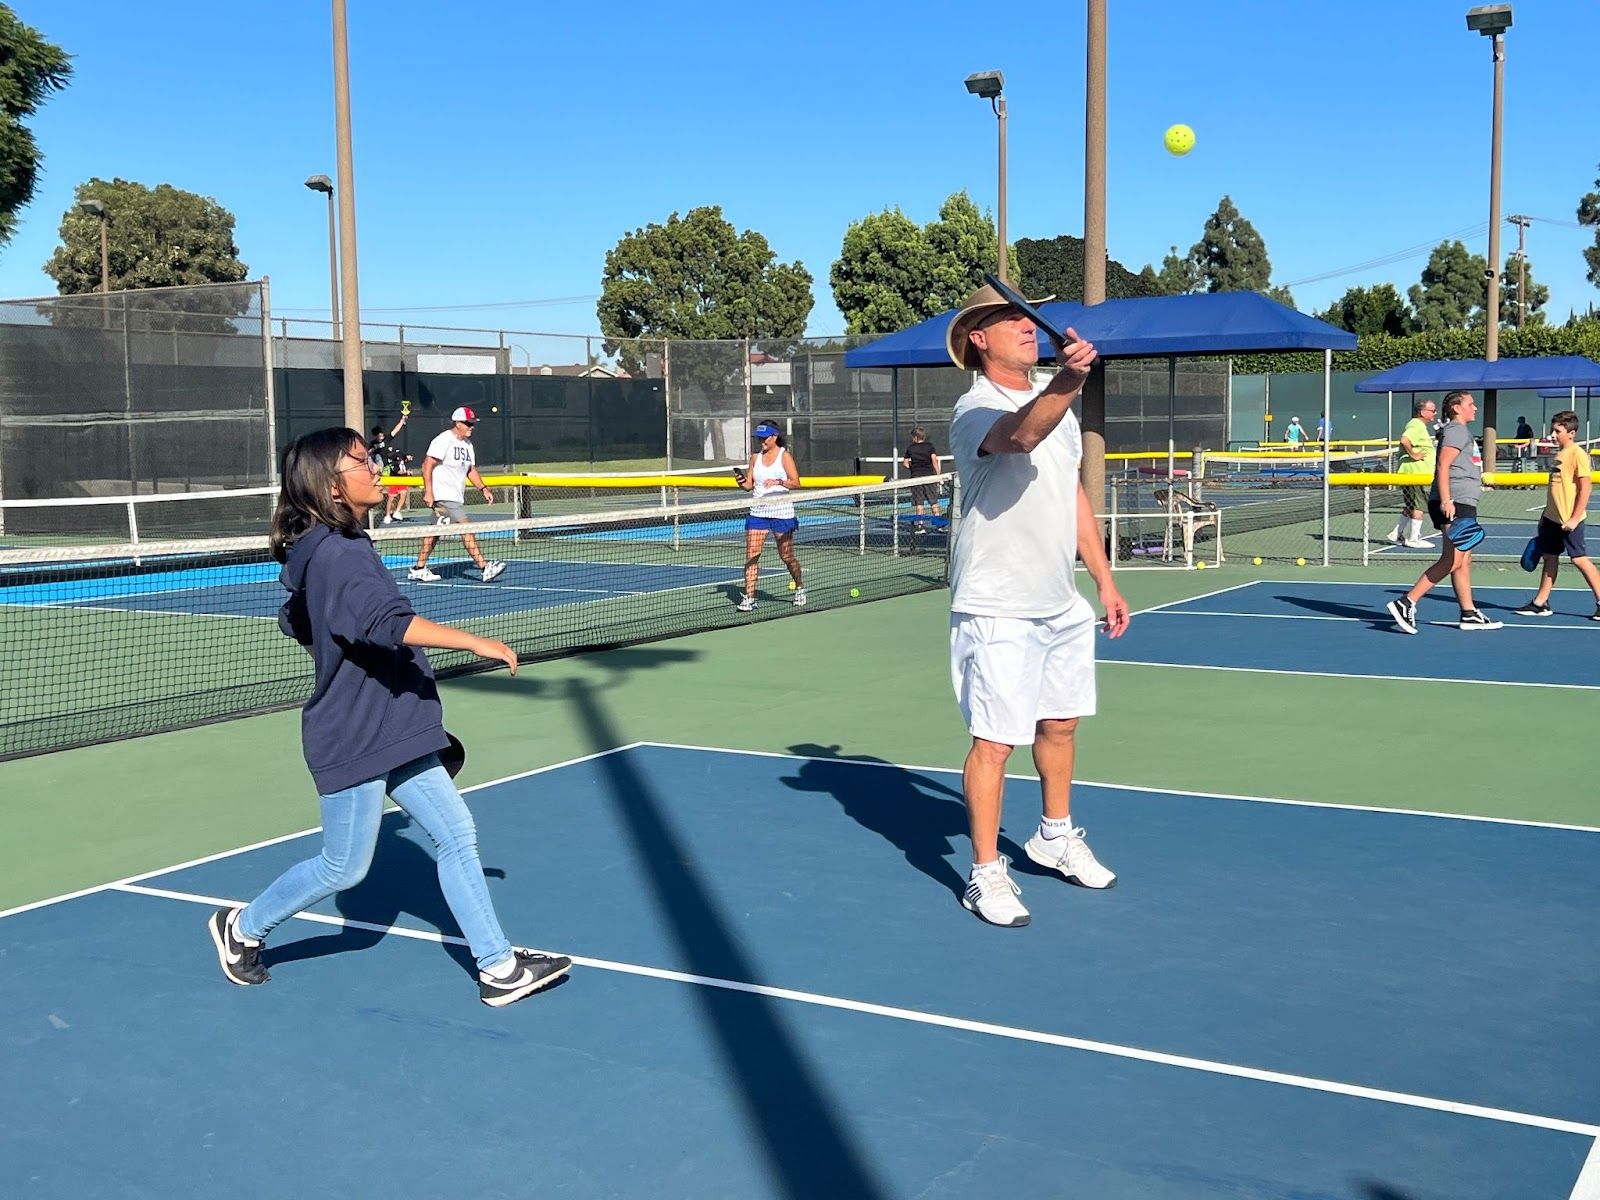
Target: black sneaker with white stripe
<point>241,961</point>
<point>1404,612</point>
<point>534,972</point>
<point>1472,619</point>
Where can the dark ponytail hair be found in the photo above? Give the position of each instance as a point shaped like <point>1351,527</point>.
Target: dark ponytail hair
<point>305,497</point>
<point>1452,404</point>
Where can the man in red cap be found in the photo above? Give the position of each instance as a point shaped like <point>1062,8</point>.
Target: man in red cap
<point>449,466</point>
<point>1021,637</point>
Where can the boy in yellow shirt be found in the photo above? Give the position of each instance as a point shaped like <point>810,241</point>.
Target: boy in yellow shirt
<point>1561,525</point>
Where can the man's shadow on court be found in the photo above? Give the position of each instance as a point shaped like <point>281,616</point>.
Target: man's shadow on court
<point>402,881</point>
<point>922,818</point>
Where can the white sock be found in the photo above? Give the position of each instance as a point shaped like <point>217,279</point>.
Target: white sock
<point>233,926</point>
<point>1052,828</point>
<point>505,968</point>
<point>1416,529</point>
<point>988,866</point>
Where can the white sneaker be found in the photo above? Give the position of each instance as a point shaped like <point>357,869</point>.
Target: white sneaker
<point>422,575</point>
<point>388,520</point>
<point>1419,544</point>
<point>992,894</point>
<point>492,570</point>
<point>1393,538</point>
<point>799,597</point>
<point>1072,857</point>
<point>747,604</point>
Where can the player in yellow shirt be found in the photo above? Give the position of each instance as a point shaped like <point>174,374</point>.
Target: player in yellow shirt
<point>1561,525</point>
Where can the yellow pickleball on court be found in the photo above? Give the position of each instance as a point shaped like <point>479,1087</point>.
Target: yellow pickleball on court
<point>1179,140</point>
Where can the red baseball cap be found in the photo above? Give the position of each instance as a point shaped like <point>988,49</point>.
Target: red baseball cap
<point>464,414</point>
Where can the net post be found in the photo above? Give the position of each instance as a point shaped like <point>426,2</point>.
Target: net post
<point>133,528</point>
<point>861,522</point>
<point>1111,491</point>
<point>1366,525</point>
<point>677,521</point>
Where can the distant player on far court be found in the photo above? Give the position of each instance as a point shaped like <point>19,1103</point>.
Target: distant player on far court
<point>450,465</point>
<point>1295,435</point>
<point>1561,524</point>
<point>1021,637</point>
<point>1416,444</point>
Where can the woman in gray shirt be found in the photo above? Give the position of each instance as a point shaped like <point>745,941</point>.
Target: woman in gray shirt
<point>1453,505</point>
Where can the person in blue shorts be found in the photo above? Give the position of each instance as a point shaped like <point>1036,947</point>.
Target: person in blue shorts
<point>1560,528</point>
<point>770,477</point>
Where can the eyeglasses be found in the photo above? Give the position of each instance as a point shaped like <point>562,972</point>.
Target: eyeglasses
<point>367,464</point>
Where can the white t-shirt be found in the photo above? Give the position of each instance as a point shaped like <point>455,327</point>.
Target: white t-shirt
<point>456,459</point>
<point>1018,541</point>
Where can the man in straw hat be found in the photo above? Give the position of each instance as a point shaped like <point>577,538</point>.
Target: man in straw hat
<point>1021,637</point>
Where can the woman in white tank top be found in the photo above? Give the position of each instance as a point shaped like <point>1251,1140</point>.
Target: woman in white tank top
<point>771,476</point>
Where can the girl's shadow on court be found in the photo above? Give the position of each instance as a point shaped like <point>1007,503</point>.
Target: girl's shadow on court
<point>922,818</point>
<point>403,881</point>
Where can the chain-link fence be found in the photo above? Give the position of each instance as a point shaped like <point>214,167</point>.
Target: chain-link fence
<point>134,393</point>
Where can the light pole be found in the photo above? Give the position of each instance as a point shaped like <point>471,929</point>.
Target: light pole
<point>991,86</point>
<point>96,209</point>
<point>321,183</point>
<point>1092,403</point>
<point>1492,21</point>
<point>1521,222</point>
<point>350,298</point>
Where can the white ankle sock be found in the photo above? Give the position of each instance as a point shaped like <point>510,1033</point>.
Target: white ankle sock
<point>233,926</point>
<point>1052,828</point>
<point>991,865</point>
<point>505,968</point>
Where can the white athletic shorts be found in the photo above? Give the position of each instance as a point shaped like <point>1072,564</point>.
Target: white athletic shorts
<point>1010,673</point>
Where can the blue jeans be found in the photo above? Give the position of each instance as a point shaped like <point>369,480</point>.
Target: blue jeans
<point>350,822</point>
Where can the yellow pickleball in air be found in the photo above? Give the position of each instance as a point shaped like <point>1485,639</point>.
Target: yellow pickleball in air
<point>1179,140</point>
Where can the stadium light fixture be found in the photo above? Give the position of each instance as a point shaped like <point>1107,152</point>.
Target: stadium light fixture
<point>321,183</point>
<point>1491,20</point>
<point>991,86</point>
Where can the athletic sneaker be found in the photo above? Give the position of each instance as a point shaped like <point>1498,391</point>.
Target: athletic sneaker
<point>241,962</point>
<point>388,520</point>
<point>1393,538</point>
<point>1473,619</point>
<point>1404,612</point>
<point>534,972</point>
<point>492,570</point>
<point>422,575</point>
<point>1419,544</point>
<point>1071,856</point>
<point>799,597</point>
<point>992,894</point>
<point>1595,616</point>
<point>747,604</point>
<point>1534,609</point>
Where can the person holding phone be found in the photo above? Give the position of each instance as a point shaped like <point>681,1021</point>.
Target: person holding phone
<point>770,476</point>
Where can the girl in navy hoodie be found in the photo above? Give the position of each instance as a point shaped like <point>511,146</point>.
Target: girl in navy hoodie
<point>373,724</point>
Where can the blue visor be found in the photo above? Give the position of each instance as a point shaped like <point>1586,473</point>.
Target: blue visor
<point>766,429</point>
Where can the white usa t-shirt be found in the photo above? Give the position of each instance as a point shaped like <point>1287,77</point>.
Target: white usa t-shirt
<point>456,460</point>
<point>1018,540</point>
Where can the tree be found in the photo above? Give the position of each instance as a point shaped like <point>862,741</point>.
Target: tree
<point>30,69</point>
<point>1177,277</point>
<point>1230,255</point>
<point>1538,295</point>
<point>1589,214</point>
<point>695,277</point>
<point>884,273</point>
<point>1368,311</point>
<point>1055,268</point>
<point>890,274</point>
<point>1453,290</point>
<point>158,237</point>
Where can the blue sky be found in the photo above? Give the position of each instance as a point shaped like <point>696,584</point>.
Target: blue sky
<point>502,149</point>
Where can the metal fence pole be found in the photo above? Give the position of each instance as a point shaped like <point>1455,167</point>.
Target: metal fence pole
<point>1327,440</point>
<point>666,392</point>
<point>272,399</point>
<point>127,399</point>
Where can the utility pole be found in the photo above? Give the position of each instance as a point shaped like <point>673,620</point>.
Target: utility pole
<point>1522,223</point>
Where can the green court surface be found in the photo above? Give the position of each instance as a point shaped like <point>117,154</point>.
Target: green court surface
<point>870,679</point>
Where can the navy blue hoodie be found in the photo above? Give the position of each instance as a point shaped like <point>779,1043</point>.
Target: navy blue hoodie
<point>375,706</point>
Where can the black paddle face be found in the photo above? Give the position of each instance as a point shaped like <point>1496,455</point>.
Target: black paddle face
<point>1021,303</point>
<point>453,757</point>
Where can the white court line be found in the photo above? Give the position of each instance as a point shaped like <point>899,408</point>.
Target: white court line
<point>1376,615</point>
<point>289,837</point>
<point>1588,1185</point>
<point>916,1016</point>
<point>150,612</point>
<point>1391,586</point>
<point>1134,662</point>
<point>1192,599</point>
<point>1134,787</point>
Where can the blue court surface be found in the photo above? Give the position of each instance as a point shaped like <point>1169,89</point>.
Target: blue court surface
<point>778,995</point>
<point>1318,628</point>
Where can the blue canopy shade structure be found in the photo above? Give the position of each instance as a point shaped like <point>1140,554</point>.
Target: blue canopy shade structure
<point>1145,327</point>
<point>1566,393</point>
<point>1560,372</point>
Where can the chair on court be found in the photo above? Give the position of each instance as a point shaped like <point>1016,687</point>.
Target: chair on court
<point>1185,517</point>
